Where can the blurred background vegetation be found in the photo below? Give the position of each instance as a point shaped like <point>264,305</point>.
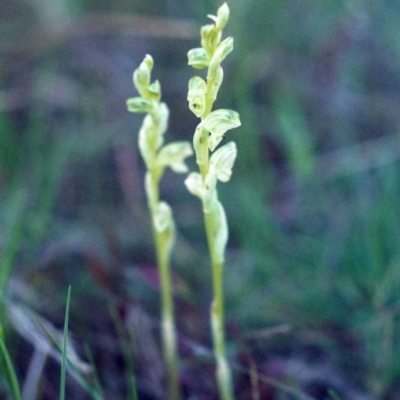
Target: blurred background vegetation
<point>313,205</point>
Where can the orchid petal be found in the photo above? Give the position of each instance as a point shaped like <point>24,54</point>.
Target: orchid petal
<point>197,58</point>
<point>217,123</point>
<point>173,156</point>
<point>139,105</point>
<point>194,184</point>
<point>221,162</point>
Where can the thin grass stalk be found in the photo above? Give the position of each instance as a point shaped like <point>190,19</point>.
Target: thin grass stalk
<point>79,376</point>
<point>9,368</point>
<point>95,374</point>
<point>64,347</point>
<point>127,353</point>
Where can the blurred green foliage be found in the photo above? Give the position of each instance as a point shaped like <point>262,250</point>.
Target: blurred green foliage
<point>313,204</point>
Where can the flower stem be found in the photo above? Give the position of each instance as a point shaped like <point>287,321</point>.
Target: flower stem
<point>223,373</point>
<point>168,330</point>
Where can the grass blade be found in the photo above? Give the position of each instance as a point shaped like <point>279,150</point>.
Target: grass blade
<point>64,348</point>
<point>96,380</point>
<point>126,353</point>
<point>81,379</point>
<point>12,376</point>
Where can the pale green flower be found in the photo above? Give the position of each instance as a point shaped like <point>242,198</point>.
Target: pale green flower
<point>211,34</point>
<point>173,155</point>
<point>217,123</point>
<point>217,83</point>
<point>151,133</point>
<point>221,161</point>
<point>200,136</point>
<point>139,105</point>
<point>210,196</point>
<point>162,216</point>
<point>197,58</point>
<point>206,191</point>
<point>154,91</point>
<point>194,184</point>
<point>197,95</point>
<point>164,224</point>
<point>210,37</point>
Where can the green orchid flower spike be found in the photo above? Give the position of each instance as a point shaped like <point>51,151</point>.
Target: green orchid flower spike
<point>157,157</point>
<point>208,135</point>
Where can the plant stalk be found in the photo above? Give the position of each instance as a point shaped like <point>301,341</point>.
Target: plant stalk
<point>223,373</point>
<point>168,330</point>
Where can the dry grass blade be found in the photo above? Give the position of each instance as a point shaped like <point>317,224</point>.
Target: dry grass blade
<point>34,374</point>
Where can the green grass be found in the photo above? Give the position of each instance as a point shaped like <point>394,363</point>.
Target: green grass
<point>7,366</point>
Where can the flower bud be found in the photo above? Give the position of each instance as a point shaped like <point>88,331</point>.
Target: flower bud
<point>222,17</point>
<point>197,95</point>
<point>197,58</point>
<point>141,76</point>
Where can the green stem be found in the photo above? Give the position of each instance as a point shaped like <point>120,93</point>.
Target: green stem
<point>223,373</point>
<point>168,330</point>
